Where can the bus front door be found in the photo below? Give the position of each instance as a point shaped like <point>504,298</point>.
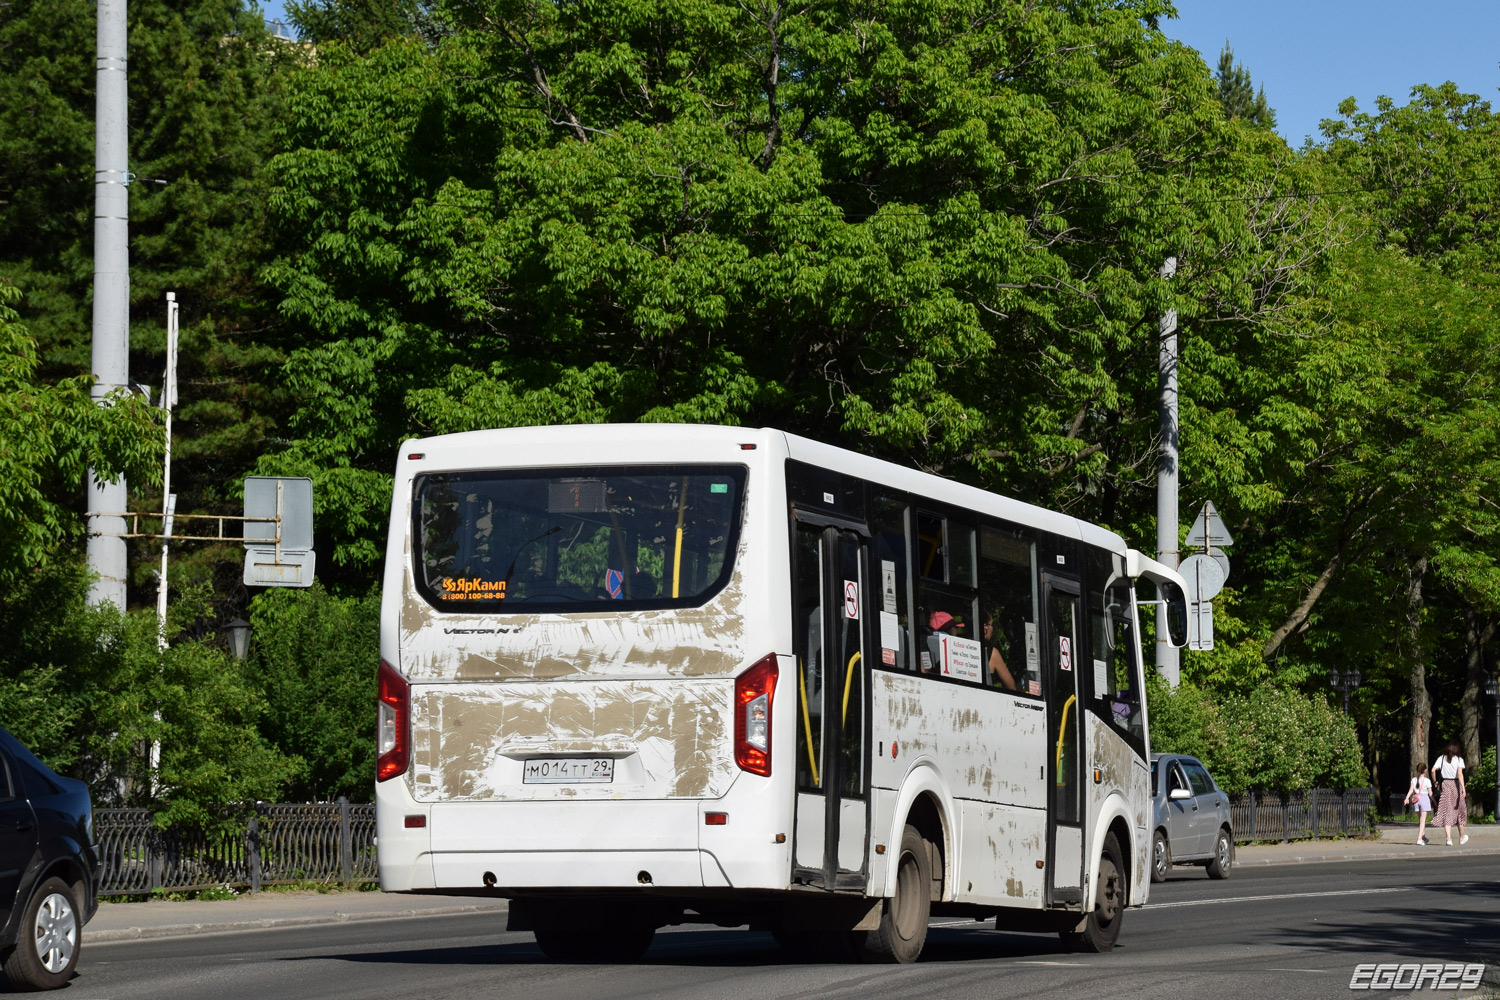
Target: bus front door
<point>829,608</point>
<point>1060,657</point>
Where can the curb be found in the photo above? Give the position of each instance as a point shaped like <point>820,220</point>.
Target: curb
<point>270,923</point>
<point>1392,855</point>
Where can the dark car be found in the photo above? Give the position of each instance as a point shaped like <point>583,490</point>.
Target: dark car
<point>1192,820</point>
<point>49,869</point>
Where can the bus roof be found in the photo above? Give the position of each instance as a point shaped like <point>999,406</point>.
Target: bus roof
<point>570,444</point>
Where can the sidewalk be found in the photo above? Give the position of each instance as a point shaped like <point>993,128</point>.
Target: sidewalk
<point>1397,840</point>
<point>162,918</point>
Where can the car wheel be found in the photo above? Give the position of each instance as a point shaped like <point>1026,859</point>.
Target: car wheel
<point>47,946</point>
<point>1102,926</point>
<point>903,918</point>
<point>1161,857</point>
<point>1219,865</point>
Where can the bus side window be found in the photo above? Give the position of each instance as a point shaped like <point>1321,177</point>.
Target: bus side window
<point>1007,594</point>
<point>892,590</point>
<point>946,597</point>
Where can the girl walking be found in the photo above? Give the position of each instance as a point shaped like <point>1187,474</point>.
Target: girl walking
<point>1453,806</point>
<point>1420,795</point>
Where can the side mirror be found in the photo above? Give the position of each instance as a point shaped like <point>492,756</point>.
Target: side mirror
<point>1176,602</point>
<point>1178,794</point>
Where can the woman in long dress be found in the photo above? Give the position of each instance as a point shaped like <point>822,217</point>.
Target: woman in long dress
<point>1453,806</point>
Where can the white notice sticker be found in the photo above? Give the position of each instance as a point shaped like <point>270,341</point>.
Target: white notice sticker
<point>962,658</point>
<point>888,585</point>
<point>890,633</point>
<point>1101,679</point>
<point>1033,651</point>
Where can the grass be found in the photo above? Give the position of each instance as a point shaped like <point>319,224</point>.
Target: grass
<point>223,892</point>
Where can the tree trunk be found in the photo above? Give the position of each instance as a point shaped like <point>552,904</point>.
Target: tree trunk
<point>1416,652</point>
<point>1297,617</point>
<point>1480,633</point>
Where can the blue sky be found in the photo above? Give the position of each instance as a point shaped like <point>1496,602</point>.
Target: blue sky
<point>1311,54</point>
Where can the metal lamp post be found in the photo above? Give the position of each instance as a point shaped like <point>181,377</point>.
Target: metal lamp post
<point>238,632</point>
<point>1345,682</point>
<point>1492,688</point>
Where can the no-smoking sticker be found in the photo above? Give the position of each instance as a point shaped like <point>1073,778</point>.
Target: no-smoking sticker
<point>1065,652</point>
<point>851,599</point>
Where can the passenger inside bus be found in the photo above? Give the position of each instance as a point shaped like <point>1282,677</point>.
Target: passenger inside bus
<point>999,672</point>
<point>938,623</point>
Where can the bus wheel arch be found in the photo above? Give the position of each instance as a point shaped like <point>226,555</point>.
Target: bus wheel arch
<point>1120,830</point>
<point>926,817</point>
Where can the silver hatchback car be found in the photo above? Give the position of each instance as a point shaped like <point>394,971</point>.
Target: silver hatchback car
<point>1191,817</point>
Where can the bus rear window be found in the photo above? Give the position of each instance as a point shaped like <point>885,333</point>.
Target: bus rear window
<point>574,539</point>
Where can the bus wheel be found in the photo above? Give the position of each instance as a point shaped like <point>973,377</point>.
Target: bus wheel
<point>1102,925</point>
<point>1161,857</point>
<point>621,943</point>
<point>903,919</point>
<point>1223,856</point>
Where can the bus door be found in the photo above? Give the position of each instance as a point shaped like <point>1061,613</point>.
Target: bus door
<point>1061,659</point>
<point>829,602</point>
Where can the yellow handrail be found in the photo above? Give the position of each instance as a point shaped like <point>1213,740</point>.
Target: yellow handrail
<point>1062,732</point>
<point>848,679</point>
<point>807,722</point>
<point>677,558</point>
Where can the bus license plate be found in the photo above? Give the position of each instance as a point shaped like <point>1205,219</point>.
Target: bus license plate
<point>567,770</point>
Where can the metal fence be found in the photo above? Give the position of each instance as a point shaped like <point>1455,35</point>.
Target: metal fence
<point>276,844</point>
<point>1320,812</point>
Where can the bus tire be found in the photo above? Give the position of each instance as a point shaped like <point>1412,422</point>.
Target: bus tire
<point>1223,859</point>
<point>1161,857</point>
<point>621,943</point>
<point>1102,926</point>
<point>903,918</point>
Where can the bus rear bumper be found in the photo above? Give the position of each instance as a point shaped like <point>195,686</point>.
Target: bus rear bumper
<point>581,869</point>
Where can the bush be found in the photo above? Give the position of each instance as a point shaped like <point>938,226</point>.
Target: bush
<point>1480,781</point>
<point>314,656</point>
<point>1276,738</point>
<point>90,692</point>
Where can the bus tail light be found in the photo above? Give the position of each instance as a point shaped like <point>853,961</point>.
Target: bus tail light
<point>394,736</point>
<point>753,691</point>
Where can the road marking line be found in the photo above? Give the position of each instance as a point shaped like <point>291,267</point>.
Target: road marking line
<point>1284,895</point>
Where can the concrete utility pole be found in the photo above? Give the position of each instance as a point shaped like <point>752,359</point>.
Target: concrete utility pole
<point>106,549</point>
<point>1166,477</point>
<point>168,499</point>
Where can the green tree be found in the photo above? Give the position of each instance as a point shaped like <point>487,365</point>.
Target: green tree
<point>204,89</point>
<point>1238,94</point>
<point>53,435</point>
<point>917,233</point>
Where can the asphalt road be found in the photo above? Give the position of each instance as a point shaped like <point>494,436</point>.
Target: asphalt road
<point>1295,931</point>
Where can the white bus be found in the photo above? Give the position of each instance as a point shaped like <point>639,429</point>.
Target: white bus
<point>642,675</point>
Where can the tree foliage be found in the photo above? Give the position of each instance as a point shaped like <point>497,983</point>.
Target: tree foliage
<point>926,231</point>
<point>1238,94</point>
<point>53,435</point>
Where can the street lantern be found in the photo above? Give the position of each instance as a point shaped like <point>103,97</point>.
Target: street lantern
<point>238,632</point>
<point>1492,688</point>
<point>1345,681</point>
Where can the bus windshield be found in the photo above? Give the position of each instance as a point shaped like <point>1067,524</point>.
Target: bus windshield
<point>558,539</point>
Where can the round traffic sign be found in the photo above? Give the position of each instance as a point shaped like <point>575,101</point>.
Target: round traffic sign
<point>1204,575</point>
